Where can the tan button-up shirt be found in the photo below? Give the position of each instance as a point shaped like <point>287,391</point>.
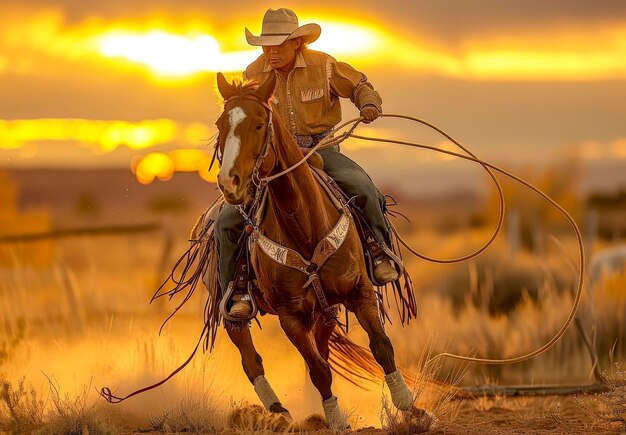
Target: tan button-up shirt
<point>308,100</point>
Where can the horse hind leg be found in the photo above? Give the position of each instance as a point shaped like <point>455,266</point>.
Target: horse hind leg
<point>366,310</point>
<point>253,367</point>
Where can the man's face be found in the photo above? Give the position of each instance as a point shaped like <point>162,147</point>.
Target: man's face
<point>283,55</point>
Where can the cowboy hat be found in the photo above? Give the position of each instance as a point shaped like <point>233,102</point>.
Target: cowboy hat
<point>280,25</point>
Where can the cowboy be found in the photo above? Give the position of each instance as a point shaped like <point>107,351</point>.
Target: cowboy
<point>307,97</point>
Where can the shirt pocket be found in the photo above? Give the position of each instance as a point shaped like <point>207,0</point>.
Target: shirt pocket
<point>311,94</point>
<point>312,107</point>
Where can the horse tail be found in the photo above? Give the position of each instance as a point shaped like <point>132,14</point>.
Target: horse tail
<point>355,363</point>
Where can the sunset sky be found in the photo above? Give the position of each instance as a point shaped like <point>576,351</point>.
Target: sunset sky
<point>132,84</point>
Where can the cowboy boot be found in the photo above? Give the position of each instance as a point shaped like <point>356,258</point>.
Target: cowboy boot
<point>384,270</point>
<point>241,307</point>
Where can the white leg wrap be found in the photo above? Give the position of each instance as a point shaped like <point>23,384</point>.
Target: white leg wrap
<point>264,391</point>
<point>334,417</point>
<point>401,396</point>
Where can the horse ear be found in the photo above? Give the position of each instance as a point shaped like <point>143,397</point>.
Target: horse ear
<point>226,89</point>
<point>266,90</point>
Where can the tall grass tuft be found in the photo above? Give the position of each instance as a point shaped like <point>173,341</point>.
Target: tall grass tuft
<point>195,413</point>
<point>609,409</point>
<point>20,408</point>
<point>246,418</point>
<point>76,415</point>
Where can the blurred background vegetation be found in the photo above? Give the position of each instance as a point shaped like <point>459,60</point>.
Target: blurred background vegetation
<point>74,304</point>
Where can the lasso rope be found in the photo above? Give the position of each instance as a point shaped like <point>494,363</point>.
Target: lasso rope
<point>353,123</point>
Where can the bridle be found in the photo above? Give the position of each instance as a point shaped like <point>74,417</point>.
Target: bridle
<point>267,141</point>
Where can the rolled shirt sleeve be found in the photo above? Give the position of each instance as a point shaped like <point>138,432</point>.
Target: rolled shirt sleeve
<point>347,82</point>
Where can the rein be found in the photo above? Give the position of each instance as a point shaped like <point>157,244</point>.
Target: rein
<point>353,123</point>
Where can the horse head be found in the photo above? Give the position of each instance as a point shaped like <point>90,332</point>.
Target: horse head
<point>244,137</point>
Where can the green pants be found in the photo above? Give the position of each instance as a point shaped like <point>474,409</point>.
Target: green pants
<point>349,176</point>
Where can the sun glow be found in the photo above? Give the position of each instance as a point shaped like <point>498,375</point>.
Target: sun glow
<point>348,40</point>
<point>104,136</point>
<point>173,55</point>
<point>162,166</point>
<point>107,136</point>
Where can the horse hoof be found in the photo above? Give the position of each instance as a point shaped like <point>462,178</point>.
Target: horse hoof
<point>278,408</point>
<point>340,424</point>
<point>419,420</point>
<point>340,427</point>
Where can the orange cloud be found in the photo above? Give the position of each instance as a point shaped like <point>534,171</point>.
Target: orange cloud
<point>565,53</point>
<point>570,53</point>
<point>558,53</point>
<point>103,136</point>
<point>29,42</point>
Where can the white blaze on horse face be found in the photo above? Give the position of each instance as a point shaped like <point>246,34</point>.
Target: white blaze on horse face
<point>232,146</point>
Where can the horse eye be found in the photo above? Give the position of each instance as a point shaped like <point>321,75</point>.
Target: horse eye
<point>259,127</point>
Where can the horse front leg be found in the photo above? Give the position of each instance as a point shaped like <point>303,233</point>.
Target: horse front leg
<point>239,334</point>
<point>365,307</point>
<point>319,370</point>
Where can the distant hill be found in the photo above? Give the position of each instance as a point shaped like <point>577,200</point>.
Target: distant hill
<point>107,193</point>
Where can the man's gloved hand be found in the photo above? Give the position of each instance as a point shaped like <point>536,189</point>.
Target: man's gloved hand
<point>369,113</point>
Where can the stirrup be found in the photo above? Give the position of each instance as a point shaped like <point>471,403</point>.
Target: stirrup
<point>370,264</point>
<point>226,299</point>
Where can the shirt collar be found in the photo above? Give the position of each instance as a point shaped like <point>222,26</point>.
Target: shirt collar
<point>299,63</point>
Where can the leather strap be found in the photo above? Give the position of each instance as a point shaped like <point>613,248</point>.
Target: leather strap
<point>329,312</point>
<point>291,258</point>
<point>330,187</point>
<point>325,248</point>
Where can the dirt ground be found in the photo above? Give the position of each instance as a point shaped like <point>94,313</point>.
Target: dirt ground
<point>540,415</point>
<point>581,414</point>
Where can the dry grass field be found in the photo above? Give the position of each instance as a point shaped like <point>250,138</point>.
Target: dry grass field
<point>75,317</point>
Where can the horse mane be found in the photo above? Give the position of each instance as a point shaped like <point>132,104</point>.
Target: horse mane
<point>245,87</point>
<point>287,154</point>
<point>290,152</point>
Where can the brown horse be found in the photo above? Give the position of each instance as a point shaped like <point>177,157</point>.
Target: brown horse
<point>299,214</point>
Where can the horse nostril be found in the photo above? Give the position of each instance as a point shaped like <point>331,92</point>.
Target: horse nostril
<point>236,180</point>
